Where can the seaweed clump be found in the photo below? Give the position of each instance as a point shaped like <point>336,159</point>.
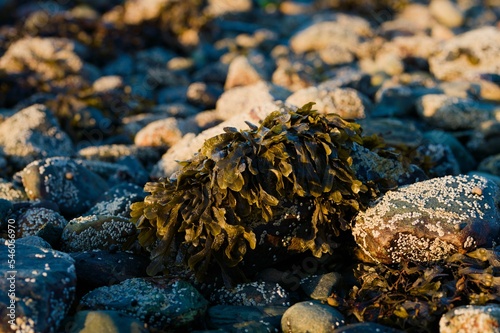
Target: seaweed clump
<point>414,296</point>
<point>241,179</point>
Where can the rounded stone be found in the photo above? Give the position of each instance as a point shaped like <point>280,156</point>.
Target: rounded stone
<point>111,321</point>
<point>471,318</point>
<point>311,316</point>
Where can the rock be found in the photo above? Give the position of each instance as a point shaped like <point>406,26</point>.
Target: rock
<point>204,95</point>
<point>293,75</point>
<point>348,77</point>
<point>43,222</point>
<point>223,7</point>
<point>252,294</point>
<point>430,220</point>
<point>33,241</point>
<point>463,157</point>
<point>366,328</point>
<point>467,55</point>
<point>234,318</point>
<point>12,191</point>
<point>395,132</point>
<point>485,140</point>
<point>44,282</point>
<point>123,66</point>
<point>74,188</point>
<point>384,62</point>
<point>96,269</point>
<point>37,135</point>
<point>5,210</point>
<point>112,321</point>
<point>171,95</point>
<point>137,12</point>
<point>189,145</point>
<point>453,113</point>
<point>93,232</point>
<point>337,31</point>
<point>246,70</point>
<point>346,102</point>
<point>164,132</point>
<point>117,200</point>
<point>447,13</point>
<point>126,169</point>
<point>112,153</point>
<point>320,287</point>
<point>490,165</point>
<point>240,100</point>
<point>471,318</point>
<point>161,304</point>
<point>107,83</point>
<point>311,316</point>
<point>437,159</point>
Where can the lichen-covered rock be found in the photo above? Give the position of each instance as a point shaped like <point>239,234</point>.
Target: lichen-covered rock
<point>346,102</point>
<point>117,200</point>
<point>252,294</point>
<point>471,318</point>
<point>164,132</point>
<point>87,233</point>
<point>430,220</point>
<point>454,113</point>
<point>45,283</point>
<point>37,135</point>
<point>162,304</point>
<point>112,321</point>
<point>468,55</point>
<point>240,100</point>
<point>311,316</point>
<point>236,318</point>
<point>61,180</point>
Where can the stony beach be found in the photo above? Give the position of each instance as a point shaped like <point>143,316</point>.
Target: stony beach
<point>134,133</point>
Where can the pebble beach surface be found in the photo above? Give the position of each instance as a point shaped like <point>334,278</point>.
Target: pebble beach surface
<point>97,98</point>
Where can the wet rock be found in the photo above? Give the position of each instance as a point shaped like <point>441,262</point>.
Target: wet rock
<point>471,318</point>
<point>252,294</point>
<point>398,100</point>
<point>320,287</point>
<point>337,31</point>
<point>463,157</point>
<point>34,241</point>
<point>45,283</point>
<point>5,210</point>
<point>96,269</point>
<point>43,222</point>
<point>485,140</point>
<point>240,100</point>
<point>204,95</point>
<point>37,135</point>
<point>346,102</point>
<point>437,159</point>
<point>113,321</point>
<point>117,200</point>
<point>93,232</point>
<point>160,303</point>
<point>246,70</point>
<point>73,187</point>
<point>430,220</point>
<point>234,318</point>
<point>311,316</point>
<point>467,55</point>
<point>453,113</point>
<point>366,328</point>
<point>447,13</point>
<point>126,169</point>
<point>164,132</point>
<point>490,165</point>
<point>395,132</point>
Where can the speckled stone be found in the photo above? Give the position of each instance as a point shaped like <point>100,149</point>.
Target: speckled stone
<point>430,220</point>
<point>61,180</point>
<point>160,303</point>
<point>252,294</point>
<point>320,287</point>
<point>366,328</point>
<point>45,283</point>
<point>111,321</point>
<point>311,316</point>
<point>234,318</point>
<point>43,222</point>
<point>471,318</point>
<point>37,135</point>
<point>93,232</point>
<point>117,200</point>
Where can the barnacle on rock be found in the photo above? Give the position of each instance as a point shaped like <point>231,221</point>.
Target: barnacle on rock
<point>240,180</point>
<point>413,296</point>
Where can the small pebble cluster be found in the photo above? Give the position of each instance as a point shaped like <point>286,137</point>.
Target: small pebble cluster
<point>99,97</point>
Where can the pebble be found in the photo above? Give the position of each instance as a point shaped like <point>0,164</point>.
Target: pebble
<point>246,70</point>
<point>447,13</point>
<point>40,221</point>
<point>45,283</point>
<point>92,232</point>
<point>471,318</point>
<point>430,220</point>
<point>113,321</point>
<point>164,132</point>
<point>238,318</point>
<point>61,180</point>
<point>159,303</point>
<point>311,316</point>
<point>37,136</point>
<point>320,287</point>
